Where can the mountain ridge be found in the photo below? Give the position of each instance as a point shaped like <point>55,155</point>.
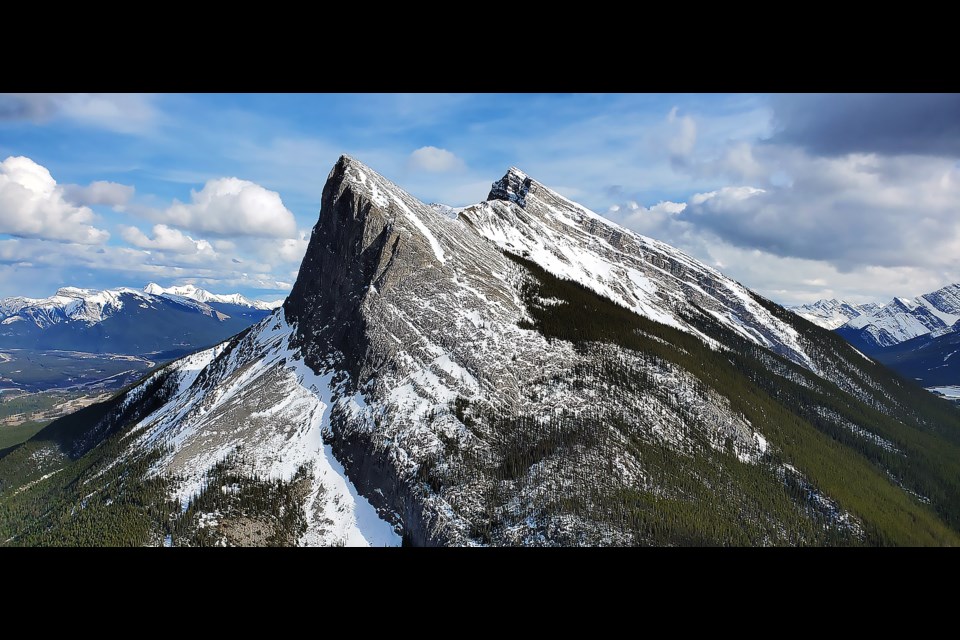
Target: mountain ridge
<point>125,320</point>
<point>872,325</point>
<point>524,373</point>
<point>916,337</point>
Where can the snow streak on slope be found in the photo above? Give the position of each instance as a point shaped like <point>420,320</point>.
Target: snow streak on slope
<point>437,251</point>
<point>649,277</point>
<point>259,395</point>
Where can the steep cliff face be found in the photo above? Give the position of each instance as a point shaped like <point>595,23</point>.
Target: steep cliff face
<point>346,254</point>
<point>523,371</point>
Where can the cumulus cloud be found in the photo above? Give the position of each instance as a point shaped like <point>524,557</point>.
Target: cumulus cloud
<point>120,112</point>
<point>166,239</point>
<point>111,194</point>
<point>234,207</point>
<point>32,205</point>
<point>434,160</point>
<point>835,124</point>
<point>111,266</point>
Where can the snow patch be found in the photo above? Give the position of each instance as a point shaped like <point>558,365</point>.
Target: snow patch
<point>422,228</point>
<point>287,434</point>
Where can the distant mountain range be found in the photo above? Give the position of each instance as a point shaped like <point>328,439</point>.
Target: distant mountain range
<point>200,295</point>
<point>914,336</point>
<point>87,338</point>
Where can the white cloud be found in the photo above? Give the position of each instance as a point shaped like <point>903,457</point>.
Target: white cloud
<point>852,211</point>
<point>234,207</point>
<point>32,205</point>
<point>858,226</point>
<point>435,160</point>
<point>684,137</point>
<point>100,192</point>
<point>167,239</point>
<point>645,219</point>
<point>120,112</point>
<point>114,266</point>
<point>293,249</point>
<point>725,195</point>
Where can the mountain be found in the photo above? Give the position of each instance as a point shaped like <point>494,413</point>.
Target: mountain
<point>125,320</point>
<point>200,295</point>
<point>903,319</point>
<point>916,337</point>
<point>927,359</point>
<point>831,314</point>
<point>517,372</point>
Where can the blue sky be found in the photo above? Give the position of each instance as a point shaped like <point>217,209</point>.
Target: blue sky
<point>798,197</point>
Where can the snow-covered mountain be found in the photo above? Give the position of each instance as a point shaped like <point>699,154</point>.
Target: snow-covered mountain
<point>916,337</point>
<point>66,305</point>
<point>831,314</point>
<point>125,320</point>
<point>872,327</point>
<point>201,295</point>
<point>521,371</point>
<point>902,319</point>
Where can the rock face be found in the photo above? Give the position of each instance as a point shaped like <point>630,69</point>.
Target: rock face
<point>525,372</point>
<point>512,187</point>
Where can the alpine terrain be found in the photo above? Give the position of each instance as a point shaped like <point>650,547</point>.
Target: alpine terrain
<point>916,337</point>
<point>125,320</point>
<point>517,372</point>
<point>84,337</point>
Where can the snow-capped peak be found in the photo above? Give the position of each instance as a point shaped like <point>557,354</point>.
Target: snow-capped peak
<point>74,292</point>
<point>907,303</point>
<point>883,325</point>
<point>512,187</point>
<point>192,292</point>
<point>829,314</point>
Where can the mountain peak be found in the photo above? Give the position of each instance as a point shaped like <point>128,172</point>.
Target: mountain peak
<point>74,292</point>
<point>829,314</point>
<point>513,187</point>
<point>526,373</point>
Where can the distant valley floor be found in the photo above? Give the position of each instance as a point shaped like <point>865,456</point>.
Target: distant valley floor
<point>38,386</point>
